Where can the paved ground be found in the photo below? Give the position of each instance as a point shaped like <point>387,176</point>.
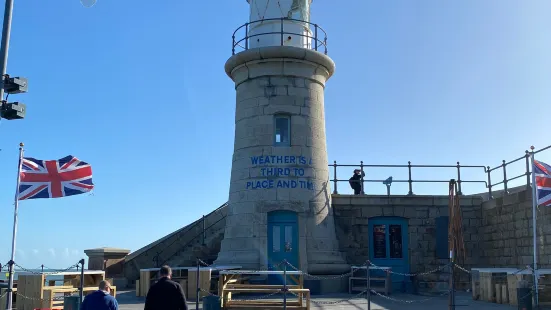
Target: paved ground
<point>129,301</point>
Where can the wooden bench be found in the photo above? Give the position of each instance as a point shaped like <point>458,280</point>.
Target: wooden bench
<point>302,301</point>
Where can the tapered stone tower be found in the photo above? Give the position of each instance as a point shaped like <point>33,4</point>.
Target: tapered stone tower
<point>280,201</point>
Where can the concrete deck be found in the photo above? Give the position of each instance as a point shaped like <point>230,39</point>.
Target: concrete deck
<point>129,301</point>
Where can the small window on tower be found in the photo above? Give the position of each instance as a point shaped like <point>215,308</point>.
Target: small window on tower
<point>282,130</point>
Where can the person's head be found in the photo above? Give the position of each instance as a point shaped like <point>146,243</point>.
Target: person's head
<point>165,272</point>
<point>356,171</point>
<point>105,286</point>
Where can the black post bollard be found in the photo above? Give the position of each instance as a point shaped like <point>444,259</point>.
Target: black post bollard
<point>284,284</point>
<point>367,276</point>
<point>198,289</point>
<point>81,286</point>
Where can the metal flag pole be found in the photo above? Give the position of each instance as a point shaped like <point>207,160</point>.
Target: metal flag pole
<point>12,262</point>
<point>6,30</point>
<point>534,230</point>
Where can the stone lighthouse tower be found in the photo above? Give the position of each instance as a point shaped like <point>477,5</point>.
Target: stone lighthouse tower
<point>280,201</point>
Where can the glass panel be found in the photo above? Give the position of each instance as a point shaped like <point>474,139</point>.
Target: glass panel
<point>395,236</point>
<point>288,238</point>
<point>379,241</point>
<point>282,130</point>
<point>276,239</point>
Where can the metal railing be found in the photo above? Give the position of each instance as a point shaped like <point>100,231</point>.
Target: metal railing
<point>505,181</point>
<point>190,242</point>
<point>410,179</point>
<point>458,167</point>
<point>318,31</point>
<point>199,223</point>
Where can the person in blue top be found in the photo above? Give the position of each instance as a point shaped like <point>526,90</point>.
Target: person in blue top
<point>100,299</point>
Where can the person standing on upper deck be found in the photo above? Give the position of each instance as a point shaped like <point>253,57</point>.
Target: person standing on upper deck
<point>165,294</point>
<point>356,181</point>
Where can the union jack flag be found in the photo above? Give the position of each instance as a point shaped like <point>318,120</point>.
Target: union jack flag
<point>54,178</point>
<point>543,183</point>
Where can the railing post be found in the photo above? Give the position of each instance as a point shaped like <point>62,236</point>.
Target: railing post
<point>325,44</point>
<point>527,156</point>
<point>335,191</point>
<point>204,229</point>
<point>233,45</point>
<point>489,184</point>
<point>246,36</point>
<point>362,176</point>
<point>459,179</point>
<point>198,288</point>
<point>409,179</point>
<point>504,166</point>
<point>316,35</point>
<point>282,31</point>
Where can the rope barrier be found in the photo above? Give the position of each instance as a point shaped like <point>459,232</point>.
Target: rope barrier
<point>410,301</point>
<point>368,263</point>
<point>56,298</point>
<point>284,262</point>
<point>411,274</point>
<point>46,273</point>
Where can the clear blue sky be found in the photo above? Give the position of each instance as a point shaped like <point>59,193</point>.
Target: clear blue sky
<point>139,91</point>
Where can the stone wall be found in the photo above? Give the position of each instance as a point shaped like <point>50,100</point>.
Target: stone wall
<point>507,232</point>
<point>352,214</point>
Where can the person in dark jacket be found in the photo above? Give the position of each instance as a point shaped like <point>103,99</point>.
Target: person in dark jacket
<point>356,181</point>
<point>165,294</point>
<point>100,299</point>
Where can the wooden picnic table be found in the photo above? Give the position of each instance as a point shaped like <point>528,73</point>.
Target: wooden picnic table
<point>35,287</point>
<point>231,282</point>
<point>186,276</point>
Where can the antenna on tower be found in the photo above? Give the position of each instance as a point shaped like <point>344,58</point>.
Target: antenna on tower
<point>88,3</point>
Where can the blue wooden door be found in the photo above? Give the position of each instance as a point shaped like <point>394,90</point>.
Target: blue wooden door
<point>282,243</point>
<point>388,247</point>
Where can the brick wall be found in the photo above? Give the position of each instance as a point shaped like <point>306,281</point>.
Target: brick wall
<point>507,232</point>
<point>352,215</point>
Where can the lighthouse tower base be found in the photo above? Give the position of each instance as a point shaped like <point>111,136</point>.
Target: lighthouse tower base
<point>280,202</point>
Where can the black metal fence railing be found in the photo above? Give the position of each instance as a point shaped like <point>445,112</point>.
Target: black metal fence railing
<point>317,42</point>
<point>362,167</point>
<point>457,174</point>
<point>158,259</point>
<point>505,181</point>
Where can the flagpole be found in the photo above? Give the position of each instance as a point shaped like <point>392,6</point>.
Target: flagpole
<point>11,263</point>
<point>534,230</point>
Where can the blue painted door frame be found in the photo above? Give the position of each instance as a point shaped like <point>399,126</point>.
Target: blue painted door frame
<point>282,242</point>
<point>388,247</point>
